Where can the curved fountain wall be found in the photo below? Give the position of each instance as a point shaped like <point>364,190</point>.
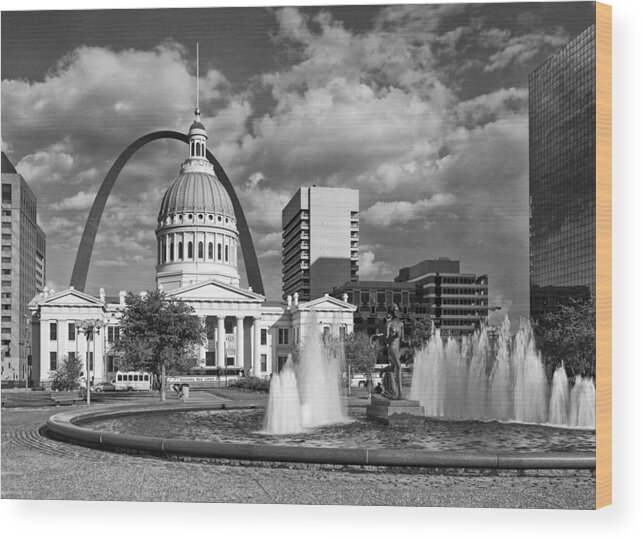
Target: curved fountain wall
<point>470,379</point>
<point>64,426</point>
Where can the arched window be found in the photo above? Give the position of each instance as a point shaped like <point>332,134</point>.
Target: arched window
<point>219,251</point>
<point>200,250</point>
<point>171,251</point>
<point>210,250</point>
<point>226,254</point>
<point>190,250</point>
<point>191,148</point>
<point>164,251</point>
<point>180,250</point>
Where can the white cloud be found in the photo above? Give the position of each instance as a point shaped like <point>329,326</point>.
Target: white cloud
<point>80,201</point>
<point>269,254</point>
<point>369,269</point>
<point>269,241</point>
<point>262,208</point>
<point>521,49</point>
<point>50,166</point>
<point>485,108</point>
<point>387,213</point>
<point>254,180</point>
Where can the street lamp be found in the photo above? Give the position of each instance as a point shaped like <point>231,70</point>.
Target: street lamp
<point>89,327</point>
<point>27,364</point>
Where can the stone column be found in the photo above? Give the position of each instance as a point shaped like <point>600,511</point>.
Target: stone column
<point>220,342</point>
<point>273,362</point>
<point>256,354</point>
<point>239,352</point>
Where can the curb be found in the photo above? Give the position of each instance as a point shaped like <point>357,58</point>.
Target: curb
<point>65,425</point>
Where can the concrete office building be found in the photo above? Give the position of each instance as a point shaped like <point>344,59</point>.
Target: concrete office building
<point>562,175</point>
<point>320,241</point>
<point>23,269</point>
<point>456,302</point>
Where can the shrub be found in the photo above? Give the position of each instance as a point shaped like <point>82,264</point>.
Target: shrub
<point>252,383</point>
<point>67,377</point>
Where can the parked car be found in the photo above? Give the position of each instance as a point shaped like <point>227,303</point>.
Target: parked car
<point>101,387</point>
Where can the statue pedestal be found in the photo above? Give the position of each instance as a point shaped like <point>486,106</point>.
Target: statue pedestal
<point>395,412</point>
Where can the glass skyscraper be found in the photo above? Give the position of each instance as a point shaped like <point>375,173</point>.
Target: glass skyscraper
<point>562,175</point>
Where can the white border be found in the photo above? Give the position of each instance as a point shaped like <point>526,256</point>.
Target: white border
<point>64,520</point>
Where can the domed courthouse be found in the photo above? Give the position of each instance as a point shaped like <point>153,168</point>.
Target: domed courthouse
<point>197,252</point>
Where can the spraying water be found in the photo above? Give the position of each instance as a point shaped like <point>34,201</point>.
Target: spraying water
<point>470,379</point>
<point>283,415</point>
<point>306,394</point>
<point>559,401</point>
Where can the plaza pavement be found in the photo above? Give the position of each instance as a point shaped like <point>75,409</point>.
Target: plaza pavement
<point>35,467</point>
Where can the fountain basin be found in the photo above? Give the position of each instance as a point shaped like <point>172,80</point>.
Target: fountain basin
<point>68,426</point>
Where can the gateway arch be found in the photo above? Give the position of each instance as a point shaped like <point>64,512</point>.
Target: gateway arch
<point>84,255</point>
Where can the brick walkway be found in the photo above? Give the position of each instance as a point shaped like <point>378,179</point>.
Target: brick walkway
<point>34,467</point>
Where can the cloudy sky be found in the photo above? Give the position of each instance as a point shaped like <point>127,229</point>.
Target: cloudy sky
<point>423,108</point>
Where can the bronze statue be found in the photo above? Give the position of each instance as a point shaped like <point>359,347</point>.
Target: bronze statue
<point>393,336</point>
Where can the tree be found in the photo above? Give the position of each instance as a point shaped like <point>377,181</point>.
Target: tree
<point>360,355</point>
<point>567,334</point>
<point>159,335</point>
<point>417,333</point>
<point>67,377</point>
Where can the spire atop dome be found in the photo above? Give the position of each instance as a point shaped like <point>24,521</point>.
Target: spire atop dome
<point>196,111</point>
<point>197,133</point>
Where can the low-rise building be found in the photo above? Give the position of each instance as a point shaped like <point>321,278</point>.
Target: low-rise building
<point>457,303</point>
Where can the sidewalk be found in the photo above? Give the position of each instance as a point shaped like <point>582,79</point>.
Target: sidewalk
<point>34,467</point>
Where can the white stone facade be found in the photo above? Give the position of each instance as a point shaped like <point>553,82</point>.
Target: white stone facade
<point>243,330</point>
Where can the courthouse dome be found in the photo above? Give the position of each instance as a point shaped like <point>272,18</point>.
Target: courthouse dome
<point>197,192</point>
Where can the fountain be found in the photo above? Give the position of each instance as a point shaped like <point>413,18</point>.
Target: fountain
<point>306,394</point>
<point>470,379</point>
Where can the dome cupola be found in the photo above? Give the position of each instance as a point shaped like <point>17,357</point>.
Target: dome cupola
<point>197,236</point>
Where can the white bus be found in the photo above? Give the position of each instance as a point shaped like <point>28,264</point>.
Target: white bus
<point>132,381</point>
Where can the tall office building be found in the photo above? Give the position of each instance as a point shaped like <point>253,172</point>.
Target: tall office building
<point>23,269</point>
<point>562,175</point>
<point>320,241</point>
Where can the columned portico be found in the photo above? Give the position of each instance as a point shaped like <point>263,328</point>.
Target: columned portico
<point>239,349</point>
<point>220,342</point>
<point>256,353</point>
